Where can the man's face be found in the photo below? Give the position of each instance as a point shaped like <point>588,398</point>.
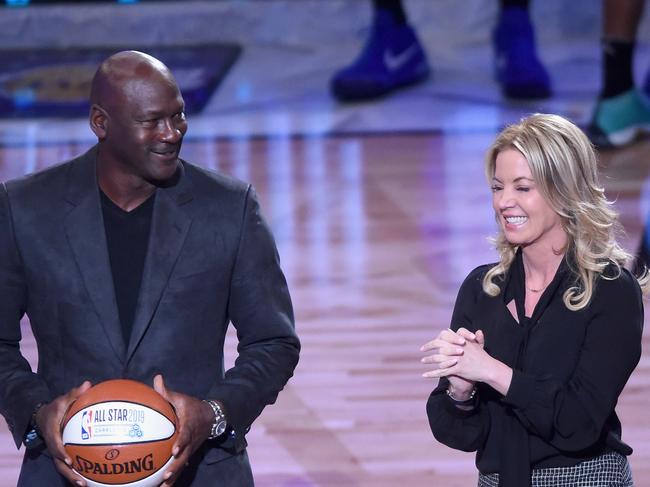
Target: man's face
<point>146,125</point>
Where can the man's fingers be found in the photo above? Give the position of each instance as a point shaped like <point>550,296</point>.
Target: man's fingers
<point>174,470</point>
<point>182,442</point>
<point>49,420</point>
<point>169,478</point>
<point>78,391</point>
<point>178,402</point>
<point>159,386</point>
<point>68,473</point>
<point>58,452</point>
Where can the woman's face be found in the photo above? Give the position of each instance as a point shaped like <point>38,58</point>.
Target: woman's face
<point>525,216</point>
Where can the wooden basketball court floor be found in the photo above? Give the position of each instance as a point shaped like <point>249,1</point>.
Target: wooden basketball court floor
<point>375,235</point>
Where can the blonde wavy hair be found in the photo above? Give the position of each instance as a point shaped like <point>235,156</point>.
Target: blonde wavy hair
<point>564,167</point>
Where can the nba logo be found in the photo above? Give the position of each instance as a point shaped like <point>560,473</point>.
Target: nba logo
<point>86,421</point>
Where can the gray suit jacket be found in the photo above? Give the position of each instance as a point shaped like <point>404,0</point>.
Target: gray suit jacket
<point>211,260</point>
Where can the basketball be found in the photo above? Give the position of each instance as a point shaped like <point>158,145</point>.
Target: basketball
<point>120,433</point>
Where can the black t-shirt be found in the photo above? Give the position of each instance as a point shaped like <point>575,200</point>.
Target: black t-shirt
<point>127,237</point>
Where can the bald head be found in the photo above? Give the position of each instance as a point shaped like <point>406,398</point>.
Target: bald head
<point>118,73</point>
<point>138,115</point>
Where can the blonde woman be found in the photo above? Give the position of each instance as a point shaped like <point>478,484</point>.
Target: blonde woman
<point>542,343</point>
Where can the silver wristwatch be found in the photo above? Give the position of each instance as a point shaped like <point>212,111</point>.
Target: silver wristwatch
<point>219,425</point>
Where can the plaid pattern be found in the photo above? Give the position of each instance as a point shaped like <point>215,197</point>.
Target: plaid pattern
<point>610,469</point>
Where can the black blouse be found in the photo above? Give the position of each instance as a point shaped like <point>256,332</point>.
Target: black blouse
<point>569,368</point>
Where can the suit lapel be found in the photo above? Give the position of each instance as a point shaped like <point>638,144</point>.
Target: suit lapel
<point>84,227</point>
<point>168,231</point>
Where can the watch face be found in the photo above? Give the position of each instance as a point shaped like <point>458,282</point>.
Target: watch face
<point>31,435</point>
<point>221,428</point>
<point>32,439</point>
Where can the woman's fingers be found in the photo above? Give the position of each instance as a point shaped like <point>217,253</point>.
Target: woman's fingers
<point>480,337</point>
<point>466,334</point>
<point>439,358</point>
<point>445,352</point>
<point>443,371</point>
<point>445,337</point>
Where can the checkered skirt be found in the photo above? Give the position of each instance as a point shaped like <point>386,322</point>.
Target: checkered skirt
<point>610,469</point>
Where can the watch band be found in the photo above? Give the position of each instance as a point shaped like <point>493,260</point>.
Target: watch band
<point>33,438</point>
<point>32,420</point>
<point>220,424</point>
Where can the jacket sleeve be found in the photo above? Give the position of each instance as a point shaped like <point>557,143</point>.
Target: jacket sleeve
<point>571,416</point>
<point>454,427</point>
<point>260,309</point>
<point>20,389</point>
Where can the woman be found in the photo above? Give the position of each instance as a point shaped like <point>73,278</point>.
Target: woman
<point>543,342</point>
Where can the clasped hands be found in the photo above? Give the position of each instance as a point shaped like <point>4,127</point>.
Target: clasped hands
<point>459,356</point>
<point>195,418</point>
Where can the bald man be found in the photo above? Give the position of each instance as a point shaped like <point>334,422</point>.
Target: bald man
<point>131,263</point>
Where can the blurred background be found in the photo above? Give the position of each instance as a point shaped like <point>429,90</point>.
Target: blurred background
<point>379,206</point>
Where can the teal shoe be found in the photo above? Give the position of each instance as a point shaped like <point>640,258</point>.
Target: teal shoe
<point>617,121</point>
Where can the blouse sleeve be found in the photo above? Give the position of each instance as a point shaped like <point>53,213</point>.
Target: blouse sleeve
<point>571,415</point>
<point>451,426</point>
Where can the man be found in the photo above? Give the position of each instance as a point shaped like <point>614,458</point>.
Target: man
<point>622,111</point>
<point>393,57</point>
<point>130,263</point>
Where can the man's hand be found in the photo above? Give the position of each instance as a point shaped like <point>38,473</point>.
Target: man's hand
<point>49,418</point>
<point>195,419</point>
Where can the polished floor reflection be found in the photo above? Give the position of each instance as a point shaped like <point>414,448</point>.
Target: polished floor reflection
<point>375,235</point>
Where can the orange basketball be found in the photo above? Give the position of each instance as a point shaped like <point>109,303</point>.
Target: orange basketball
<point>120,433</point>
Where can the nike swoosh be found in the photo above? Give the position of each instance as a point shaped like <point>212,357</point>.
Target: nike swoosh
<point>394,62</point>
